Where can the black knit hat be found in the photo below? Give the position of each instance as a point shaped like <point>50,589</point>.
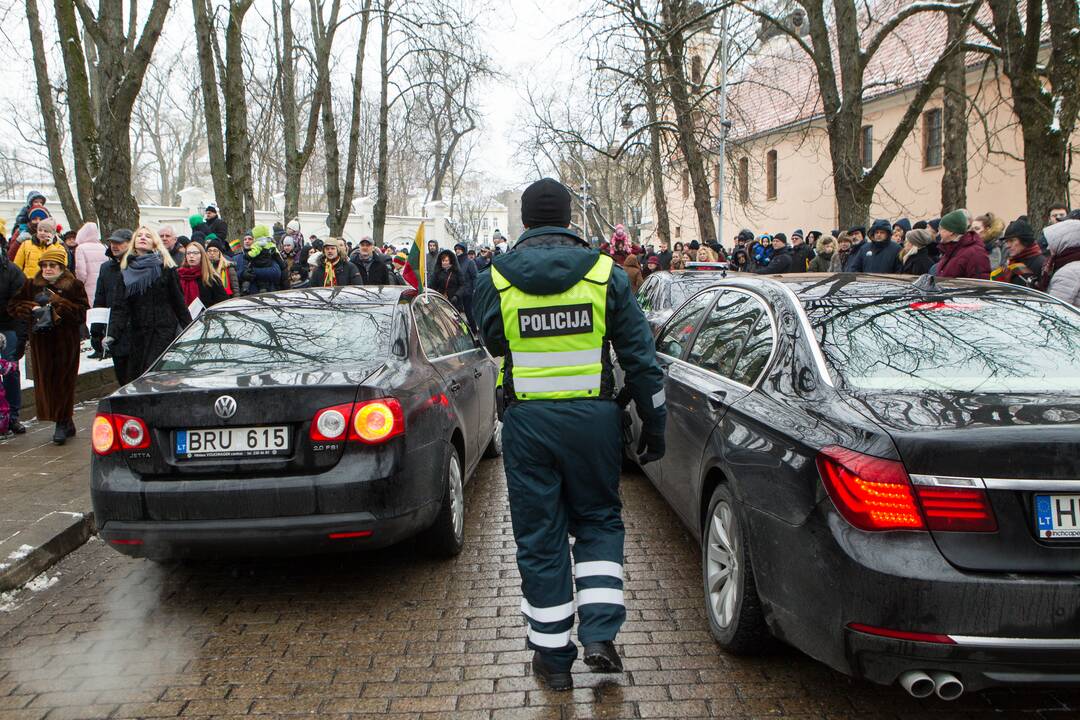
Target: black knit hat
<point>545,202</point>
<point>1021,230</point>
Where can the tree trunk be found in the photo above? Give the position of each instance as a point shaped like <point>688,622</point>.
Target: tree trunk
<point>237,142</point>
<point>48,117</point>
<point>656,158</point>
<point>672,52</point>
<point>297,154</point>
<point>83,106</point>
<point>954,181</point>
<point>215,143</point>
<point>340,213</point>
<point>378,220</point>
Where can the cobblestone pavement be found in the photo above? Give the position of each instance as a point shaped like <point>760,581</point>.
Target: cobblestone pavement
<point>389,634</point>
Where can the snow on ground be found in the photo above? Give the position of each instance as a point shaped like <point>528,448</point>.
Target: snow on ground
<point>86,365</point>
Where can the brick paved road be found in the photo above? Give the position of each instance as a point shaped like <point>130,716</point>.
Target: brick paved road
<point>389,634</point>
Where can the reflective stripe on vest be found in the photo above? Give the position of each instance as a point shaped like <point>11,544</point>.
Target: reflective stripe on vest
<point>556,341</point>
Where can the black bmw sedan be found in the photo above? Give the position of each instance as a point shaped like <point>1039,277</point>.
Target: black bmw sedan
<point>882,472</point>
<point>297,422</point>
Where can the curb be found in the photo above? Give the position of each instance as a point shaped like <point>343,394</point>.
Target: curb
<point>30,552</point>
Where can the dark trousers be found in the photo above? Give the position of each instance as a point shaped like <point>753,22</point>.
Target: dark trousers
<point>12,383</point>
<point>120,367</point>
<point>562,461</point>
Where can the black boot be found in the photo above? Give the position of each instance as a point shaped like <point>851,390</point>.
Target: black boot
<point>17,427</point>
<point>602,657</point>
<point>554,679</point>
<point>69,428</point>
<point>59,434</point>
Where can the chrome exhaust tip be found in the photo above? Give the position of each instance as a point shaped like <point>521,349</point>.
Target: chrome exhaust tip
<point>946,685</point>
<point>918,684</point>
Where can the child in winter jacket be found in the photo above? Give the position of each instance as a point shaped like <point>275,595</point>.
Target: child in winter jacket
<point>6,366</point>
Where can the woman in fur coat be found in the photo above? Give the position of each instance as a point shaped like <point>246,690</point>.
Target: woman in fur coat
<point>53,304</point>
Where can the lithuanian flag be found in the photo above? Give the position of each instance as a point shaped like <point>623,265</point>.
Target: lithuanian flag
<point>418,256</point>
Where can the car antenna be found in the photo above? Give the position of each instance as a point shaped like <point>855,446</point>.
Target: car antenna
<point>927,283</point>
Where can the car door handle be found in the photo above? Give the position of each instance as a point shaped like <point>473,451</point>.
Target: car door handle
<point>717,397</point>
<point>455,387</point>
<point>478,373</point>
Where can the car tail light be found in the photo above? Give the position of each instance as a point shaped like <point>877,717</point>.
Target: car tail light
<point>103,435</point>
<point>956,509</point>
<point>376,421</point>
<point>110,433</point>
<point>370,421</point>
<point>871,493</point>
<point>331,423</point>
<point>902,634</point>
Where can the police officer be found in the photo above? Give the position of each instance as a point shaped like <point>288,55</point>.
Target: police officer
<point>554,309</point>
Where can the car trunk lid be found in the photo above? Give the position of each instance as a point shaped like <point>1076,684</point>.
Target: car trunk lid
<point>1025,448</point>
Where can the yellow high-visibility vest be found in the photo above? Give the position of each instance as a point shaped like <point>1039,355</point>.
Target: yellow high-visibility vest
<point>556,341</point>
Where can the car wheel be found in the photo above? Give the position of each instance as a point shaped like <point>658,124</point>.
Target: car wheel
<point>494,447</point>
<point>732,604</point>
<point>446,536</point>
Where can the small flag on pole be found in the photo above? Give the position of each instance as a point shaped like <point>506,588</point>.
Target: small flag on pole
<point>418,257</point>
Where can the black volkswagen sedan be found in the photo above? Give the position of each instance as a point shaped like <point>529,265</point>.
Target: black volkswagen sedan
<point>883,472</point>
<point>297,422</point>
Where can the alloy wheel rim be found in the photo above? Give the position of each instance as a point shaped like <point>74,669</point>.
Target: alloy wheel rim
<point>457,497</point>
<point>722,565</point>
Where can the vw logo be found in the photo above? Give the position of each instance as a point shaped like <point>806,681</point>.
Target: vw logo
<point>225,407</point>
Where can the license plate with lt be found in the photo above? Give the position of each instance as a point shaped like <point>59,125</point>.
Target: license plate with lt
<point>1057,516</point>
<point>232,442</point>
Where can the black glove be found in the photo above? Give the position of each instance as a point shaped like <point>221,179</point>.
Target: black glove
<point>651,446</point>
<point>623,398</point>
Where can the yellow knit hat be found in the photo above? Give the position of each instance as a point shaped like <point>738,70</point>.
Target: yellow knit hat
<point>54,253</point>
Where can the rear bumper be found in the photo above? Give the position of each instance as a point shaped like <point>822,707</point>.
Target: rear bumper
<point>302,535</point>
<point>818,578</point>
<point>981,662</point>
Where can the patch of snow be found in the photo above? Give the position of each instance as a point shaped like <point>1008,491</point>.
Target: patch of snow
<point>1055,124</point>
<point>7,601</point>
<point>42,582</point>
<point>72,514</point>
<point>21,553</point>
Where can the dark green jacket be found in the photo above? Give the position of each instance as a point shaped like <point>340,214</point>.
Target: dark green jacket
<point>549,260</point>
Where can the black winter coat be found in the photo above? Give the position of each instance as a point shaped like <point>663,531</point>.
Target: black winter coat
<point>109,289</point>
<point>918,263</point>
<point>12,280</point>
<point>876,257</point>
<point>376,272</point>
<point>449,282</point>
<point>781,262</point>
<point>148,322</point>
<point>801,257</point>
<point>217,226</point>
<point>468,275</point>
<point>345,273</point>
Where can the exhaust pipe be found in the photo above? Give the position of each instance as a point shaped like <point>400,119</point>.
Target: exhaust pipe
<point>918,684</point>
<point>946,685</point>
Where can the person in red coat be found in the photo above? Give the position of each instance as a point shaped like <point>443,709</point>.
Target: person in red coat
<point>401,264</point>
<point>963,253</point>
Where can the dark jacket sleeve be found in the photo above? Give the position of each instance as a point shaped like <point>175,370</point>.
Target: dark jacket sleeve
<point>119,311</point>
<point>855,260</point>
<point>488,315</point>
<point>176,299</point>
<point>635,349</point>
<point>318,276</point>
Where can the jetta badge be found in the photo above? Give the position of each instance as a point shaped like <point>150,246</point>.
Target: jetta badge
<point>225,407</point>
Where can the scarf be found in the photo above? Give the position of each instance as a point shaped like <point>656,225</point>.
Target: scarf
<point>1055,263</point>
<point>189,282</point>
<point>141,272</point>
<point>223,271</point>
<point>330,280</point>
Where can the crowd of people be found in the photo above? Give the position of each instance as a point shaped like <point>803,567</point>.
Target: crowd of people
<point>153,281</point>
<point>956,245</point>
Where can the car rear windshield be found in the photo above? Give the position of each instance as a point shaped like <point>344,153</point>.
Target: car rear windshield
<point>983,343</point>
<point>267,338</point>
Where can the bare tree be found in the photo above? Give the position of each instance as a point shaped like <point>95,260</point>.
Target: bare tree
<point>954,122</point>
<point>101,120</point>
<point>297,149</point>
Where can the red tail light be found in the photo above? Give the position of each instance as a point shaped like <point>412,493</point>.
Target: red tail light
<point>110,433</point>
<point>871,493</point>
<point>371,422</point>
<point>902,634</point>
<point>956,509</point>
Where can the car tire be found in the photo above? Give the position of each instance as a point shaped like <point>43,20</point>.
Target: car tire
<point>494,446</point>
<point>446,537</point>
<point>732,605</point>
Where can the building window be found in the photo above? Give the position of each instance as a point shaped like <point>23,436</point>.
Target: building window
<point>685,184</point>
<point>770,175</point>
<point>484,224</point>
<point>866,146</point>
<point>744,180</point>
<point>695,70</point>
<point>678,231</point>
<point>932,138</point>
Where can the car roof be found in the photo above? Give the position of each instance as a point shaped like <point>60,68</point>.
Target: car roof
<point>677,275</point>
<point>321,297</point>
<point>814,286</point>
